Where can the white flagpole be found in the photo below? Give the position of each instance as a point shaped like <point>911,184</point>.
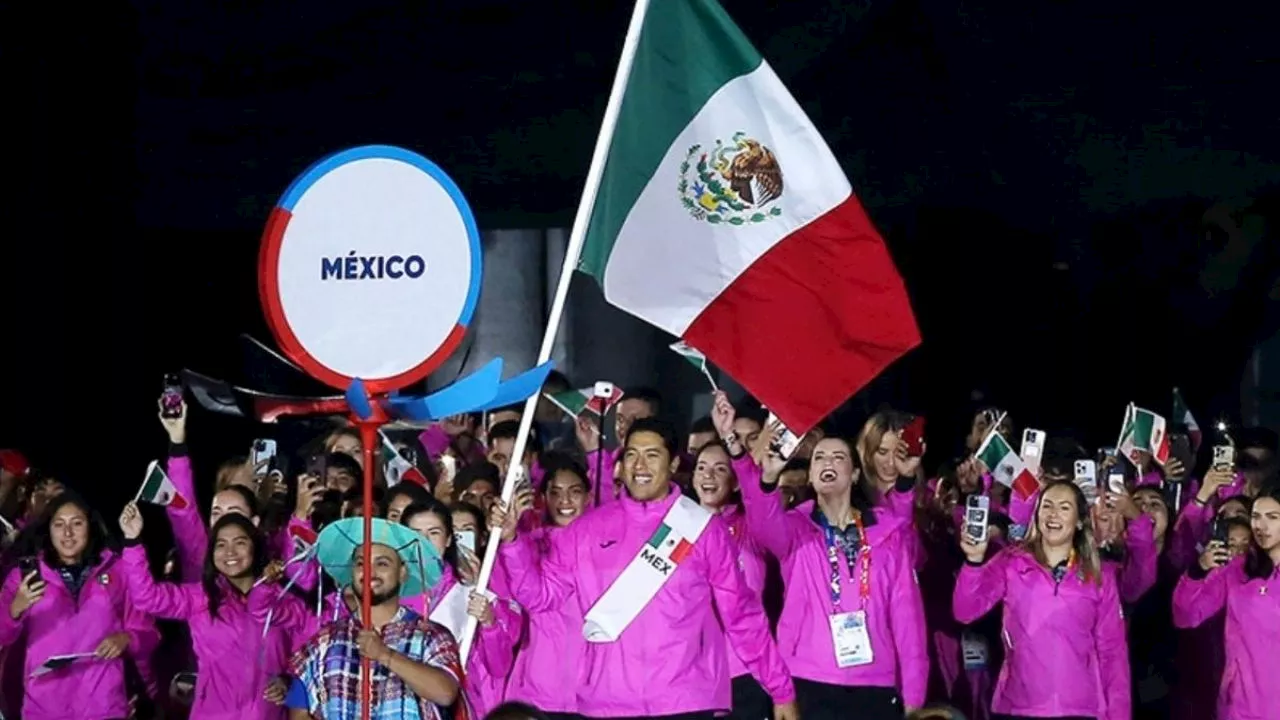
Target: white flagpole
<point>576,237</point>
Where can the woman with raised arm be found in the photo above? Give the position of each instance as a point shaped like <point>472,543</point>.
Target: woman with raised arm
<point>1248,588</point>
<point>1064,630</point>
<point>852,629</point>
<point>242,668</point>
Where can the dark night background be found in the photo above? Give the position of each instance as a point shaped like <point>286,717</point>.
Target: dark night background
<point>1041,172</point>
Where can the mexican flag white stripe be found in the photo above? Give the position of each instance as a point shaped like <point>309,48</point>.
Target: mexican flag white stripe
<point>659,227</point>
<point>721,216</point>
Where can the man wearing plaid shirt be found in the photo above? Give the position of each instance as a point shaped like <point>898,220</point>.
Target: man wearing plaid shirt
<point>416,670</point>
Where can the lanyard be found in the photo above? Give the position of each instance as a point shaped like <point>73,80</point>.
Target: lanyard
<point>864,564</point>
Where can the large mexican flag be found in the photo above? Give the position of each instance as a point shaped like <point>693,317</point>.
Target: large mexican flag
<point>723,218</point>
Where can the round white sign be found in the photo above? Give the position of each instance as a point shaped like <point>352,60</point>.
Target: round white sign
<point>370,268</point>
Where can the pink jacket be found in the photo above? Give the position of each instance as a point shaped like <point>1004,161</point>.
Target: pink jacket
<point>1065,645</point>
<point>895,610</point>
<point>1249,690</point>
<point>751,561</point>
<point>235,662</point>
<point>60,625</point>
<point>608,489</point>
<point>493,656</point>
<point>191,537</point>
<point>671,660</point>
<point>547,661</point>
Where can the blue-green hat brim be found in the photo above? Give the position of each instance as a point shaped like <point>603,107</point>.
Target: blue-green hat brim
<point>338,542</point>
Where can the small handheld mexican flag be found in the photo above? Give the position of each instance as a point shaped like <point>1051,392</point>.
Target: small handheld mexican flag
<point>301,538</point>
<point>697,359</point>
<point>395,469</point>
<point>1143,431</point>
<point>1005,465</point>
<point>576,402</point>
<point>158,489</point>
<point>1182,414</point>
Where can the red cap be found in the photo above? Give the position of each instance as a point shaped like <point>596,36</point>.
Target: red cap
<point>14,462</point>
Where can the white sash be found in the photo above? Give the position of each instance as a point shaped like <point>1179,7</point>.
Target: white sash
<point>644,576</point>
<point>452,610</point>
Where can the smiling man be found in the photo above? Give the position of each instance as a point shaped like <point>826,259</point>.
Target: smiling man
<point>656,580</point>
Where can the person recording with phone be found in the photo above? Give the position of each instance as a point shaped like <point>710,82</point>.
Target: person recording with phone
<point>1247,586</point>
<point>71,603</point>
<point>1066,653</point>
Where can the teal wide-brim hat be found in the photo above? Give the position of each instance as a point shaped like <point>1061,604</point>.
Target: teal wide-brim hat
<point>338,543</point>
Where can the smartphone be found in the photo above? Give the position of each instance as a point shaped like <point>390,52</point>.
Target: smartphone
<point>171,397</point>
<point>1086,478</point>
<point>977,515</point>
<point>1224,457</point>
<point>913,436</point>
<point>466,539</point>
<point>1032,449</point>
<point>1115,480</point>
<point>448,467</point>
<point>1180,450</point>
<point>316,467</point>
<point>263,456</point>
<point>28,565</point>
<point>1219,534</point>
<point>784,442</point>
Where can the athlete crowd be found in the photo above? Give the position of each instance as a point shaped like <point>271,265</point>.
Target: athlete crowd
<point>680,577</point>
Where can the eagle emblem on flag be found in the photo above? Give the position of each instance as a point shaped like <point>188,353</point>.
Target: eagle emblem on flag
<point>731,183</point>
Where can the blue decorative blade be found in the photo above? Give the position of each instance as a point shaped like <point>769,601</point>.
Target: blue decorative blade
<point>358,400</point>
<point>520,387</point>
<point>467,395</point>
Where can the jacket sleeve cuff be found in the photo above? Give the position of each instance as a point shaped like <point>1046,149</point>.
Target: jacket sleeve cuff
<point>178,449</point>
<point>1195,572</point>
<point>135,542</point>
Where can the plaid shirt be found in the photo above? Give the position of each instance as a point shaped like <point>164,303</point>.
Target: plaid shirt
<point>329,669</point>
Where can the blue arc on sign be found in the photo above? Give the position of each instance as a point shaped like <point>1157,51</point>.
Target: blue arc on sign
<point>480,391</point>
<point>322,167</point>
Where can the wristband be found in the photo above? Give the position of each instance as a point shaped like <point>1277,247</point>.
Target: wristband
<point>731,439</point>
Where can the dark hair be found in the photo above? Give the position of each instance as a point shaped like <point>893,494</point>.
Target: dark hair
<point>98,541</point>
<point>483,471</point>
<point>658,427</point>
<point>475,512</point>
<point>750,409</point>
<point>250,500</point>
<point>647,394</point>
<point>702,425</point>
<point>560,461</point>
<point>345,463</point>
<point>440,510</point>
<point>516,711</point>
<point>416,494</point>
<point>801,464</point>
<point>510,430</point>
<point>1258,564</point>
<point>209,580</point>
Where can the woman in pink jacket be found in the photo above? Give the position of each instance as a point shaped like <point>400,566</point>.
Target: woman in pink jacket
<point>72,601</point>
<point>1248,588</point>
<point>852,629</point>
<point>716,486</point>
<point>1064,632</point>
<point>242,672</point>
<point>451,600</point>
<point>553,638</point>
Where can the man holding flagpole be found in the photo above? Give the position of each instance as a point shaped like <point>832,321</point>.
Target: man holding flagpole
<point>656,579</point>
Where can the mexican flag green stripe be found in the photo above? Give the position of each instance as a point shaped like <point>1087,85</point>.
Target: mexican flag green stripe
<point>674,42</point>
